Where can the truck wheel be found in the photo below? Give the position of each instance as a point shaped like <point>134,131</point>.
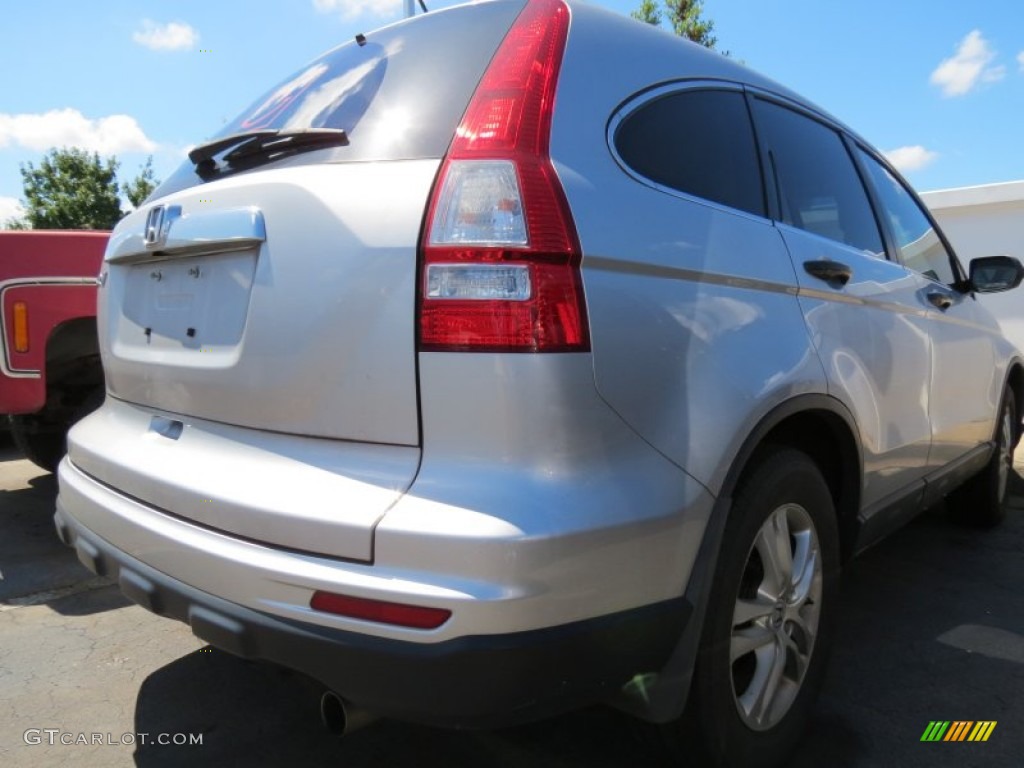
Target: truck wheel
<point>41,441</point>
<point>769,618</point>
<point>981,501</point>
<point>42,437</point>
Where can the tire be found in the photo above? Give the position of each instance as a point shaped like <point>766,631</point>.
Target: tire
<point>982,500</point>
<point>758,672</point>
<point>39,440</point>
<point>42,437</point>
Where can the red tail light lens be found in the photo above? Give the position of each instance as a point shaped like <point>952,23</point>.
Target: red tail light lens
<point>501,256</point>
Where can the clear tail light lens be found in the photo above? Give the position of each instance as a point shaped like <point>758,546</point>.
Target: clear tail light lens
<point>479,204</point>
<point>479,282</point>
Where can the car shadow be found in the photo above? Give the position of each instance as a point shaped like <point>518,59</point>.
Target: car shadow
<point>931,627</point>
<point>261,714</point>
<point>35,567</point>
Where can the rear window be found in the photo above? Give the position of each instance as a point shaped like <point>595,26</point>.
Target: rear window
<point>398,93</point>
<point>699,142</point>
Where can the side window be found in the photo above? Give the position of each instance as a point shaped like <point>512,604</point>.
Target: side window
<point>818,185</point>
<point>699,142</point>
<point>918,242</point>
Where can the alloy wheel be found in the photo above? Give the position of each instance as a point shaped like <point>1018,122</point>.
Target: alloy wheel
<point>1005,452</point>
<point>775,619</point>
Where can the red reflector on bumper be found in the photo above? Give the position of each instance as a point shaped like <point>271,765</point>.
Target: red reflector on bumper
<point>397,614</point>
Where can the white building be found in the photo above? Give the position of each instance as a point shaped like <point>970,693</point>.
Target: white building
<point>987,220</point>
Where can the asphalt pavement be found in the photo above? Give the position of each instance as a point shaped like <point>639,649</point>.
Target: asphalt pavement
<point>932,628</point>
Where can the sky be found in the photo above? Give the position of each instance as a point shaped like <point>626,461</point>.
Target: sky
<point>937,86</point>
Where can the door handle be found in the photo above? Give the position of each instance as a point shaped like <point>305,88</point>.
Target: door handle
<point>940,300</point>
<point>835,273</point>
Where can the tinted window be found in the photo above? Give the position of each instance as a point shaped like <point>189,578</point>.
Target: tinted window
<point>399,96</point>
<point>697,142</point>
<point>818,185</point>
<point>919,244</point>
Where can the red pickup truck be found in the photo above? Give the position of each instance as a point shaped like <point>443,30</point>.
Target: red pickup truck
<point>50,372</point>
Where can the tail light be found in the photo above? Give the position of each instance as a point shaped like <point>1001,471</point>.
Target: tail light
<point>500,254</point>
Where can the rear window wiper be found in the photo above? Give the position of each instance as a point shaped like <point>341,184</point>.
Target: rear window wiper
<point>206,152</point>
<point>265,143</point>
<point>286,141</point>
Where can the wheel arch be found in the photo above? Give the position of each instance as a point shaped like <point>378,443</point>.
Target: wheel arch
<point>825,430</point>
<point>72,338</point>
<point>73,355</point>
<point>1015,381</point>
<point>73,376</point>
<point>818,425</point>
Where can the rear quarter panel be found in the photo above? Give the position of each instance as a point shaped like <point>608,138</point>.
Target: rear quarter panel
<point>696,330</point>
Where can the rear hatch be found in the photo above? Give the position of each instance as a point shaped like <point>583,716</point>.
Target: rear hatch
<point>270,283</point>
<point>278,292</point>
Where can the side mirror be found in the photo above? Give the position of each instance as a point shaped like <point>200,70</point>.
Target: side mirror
<point>993,274</point>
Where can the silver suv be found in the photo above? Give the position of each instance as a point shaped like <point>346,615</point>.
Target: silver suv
<point>520,356</point>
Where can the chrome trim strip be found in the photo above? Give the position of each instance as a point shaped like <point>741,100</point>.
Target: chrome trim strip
<point>733,281</point>
<point>690,275</point>
<point>845,298</point>
<point>193,234</point>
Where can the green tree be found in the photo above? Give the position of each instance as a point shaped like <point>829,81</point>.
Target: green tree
<point>139,188</point>
<point>648,12</point>
<point>684,16</point>
<point>15,224</point>
<point>71,189</point>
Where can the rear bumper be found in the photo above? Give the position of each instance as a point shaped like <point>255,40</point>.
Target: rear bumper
<point>505,547</point>
<point>472,681</point>
<point>557,538</point>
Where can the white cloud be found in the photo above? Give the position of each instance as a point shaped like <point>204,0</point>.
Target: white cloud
<point>350,9</point>
<point>912,158</point>
<point>10,208</point>
<point>1020,60</point>
<point>173,36</point>
<point>993,74</point>
<point>959,74</point>
<point>70,128</point>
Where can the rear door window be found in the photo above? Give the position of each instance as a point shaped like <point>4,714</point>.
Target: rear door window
<point>817,185</point>
<point>698,142</point>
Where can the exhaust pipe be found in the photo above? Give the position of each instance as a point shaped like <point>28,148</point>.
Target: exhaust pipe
<point>341,718</point>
